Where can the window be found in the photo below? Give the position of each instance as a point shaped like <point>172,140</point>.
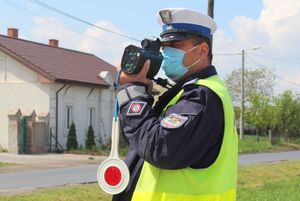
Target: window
<point>69,116</point>
<point>91,117</point>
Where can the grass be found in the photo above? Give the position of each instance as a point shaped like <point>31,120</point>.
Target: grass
<point>277,191</point>
<point>2,164</point>
<point>250,145</point>
<point>97,151</point>
<point>88,192</point>
<point>271,182</point>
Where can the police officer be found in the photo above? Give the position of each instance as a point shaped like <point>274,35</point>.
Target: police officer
<point>184,147</point>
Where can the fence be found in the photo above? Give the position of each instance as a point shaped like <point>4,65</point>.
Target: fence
<point>34,137</point>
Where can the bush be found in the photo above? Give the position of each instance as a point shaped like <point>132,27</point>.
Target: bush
<point>72,138</point>
<point>90,140</point>
<point>2,149</point>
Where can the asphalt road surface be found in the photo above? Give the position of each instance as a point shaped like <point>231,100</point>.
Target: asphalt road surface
<point>30,179</point>
<point>24,180</point>
<point>249,159</point>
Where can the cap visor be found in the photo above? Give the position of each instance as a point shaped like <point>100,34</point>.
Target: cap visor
<point>173,38</point>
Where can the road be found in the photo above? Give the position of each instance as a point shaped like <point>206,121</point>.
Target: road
<point>24,180</point>
<point>249,159</point>
<point>87,173</point>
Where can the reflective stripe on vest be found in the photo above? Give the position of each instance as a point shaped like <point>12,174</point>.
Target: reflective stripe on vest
<point>215,183</point>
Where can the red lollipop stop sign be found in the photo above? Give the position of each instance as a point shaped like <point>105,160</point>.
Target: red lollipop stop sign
<point>113,174</point>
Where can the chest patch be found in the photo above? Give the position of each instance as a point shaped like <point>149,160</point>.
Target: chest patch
<point>173,121</point>
<point>136,108</point>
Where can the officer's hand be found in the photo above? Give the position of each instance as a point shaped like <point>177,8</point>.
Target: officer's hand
<point>140,77</point>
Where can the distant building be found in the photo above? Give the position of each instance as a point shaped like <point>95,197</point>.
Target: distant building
<point>45,79</point>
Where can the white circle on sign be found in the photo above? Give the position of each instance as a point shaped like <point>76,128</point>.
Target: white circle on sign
<point>113,176</point>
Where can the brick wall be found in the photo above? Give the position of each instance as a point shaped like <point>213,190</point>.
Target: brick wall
<point>36,133</point>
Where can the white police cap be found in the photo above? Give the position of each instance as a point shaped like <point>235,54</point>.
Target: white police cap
<point>181,23</point>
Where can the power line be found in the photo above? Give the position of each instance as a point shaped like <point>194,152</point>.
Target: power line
<point>280,77</point>
<point>227,62</point>
<point>249,58</point>
<point>61,25</point>
<point>226,54</point>
<point>277,59</point>
<point>263,56</point>
<point>291,82</point>
<point>40,3</point>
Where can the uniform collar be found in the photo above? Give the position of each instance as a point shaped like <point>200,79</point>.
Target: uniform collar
<point>164,99</point>
<point>204,73</point>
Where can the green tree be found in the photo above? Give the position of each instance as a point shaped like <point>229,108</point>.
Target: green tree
<point>256,112</point>
<point>288,114</point>
<point>258,96</point>
<point>72,138</point>
<point>258,81</point>
<point>90,140</point>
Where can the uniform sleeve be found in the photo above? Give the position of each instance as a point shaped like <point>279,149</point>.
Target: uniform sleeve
<point>182,137</point>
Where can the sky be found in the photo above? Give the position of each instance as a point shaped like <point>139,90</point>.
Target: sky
<point>268,30</point>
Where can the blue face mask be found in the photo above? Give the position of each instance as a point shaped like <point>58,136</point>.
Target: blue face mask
<point>172,62</point>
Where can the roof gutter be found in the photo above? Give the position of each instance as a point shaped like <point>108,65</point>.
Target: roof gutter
<point>56,115</point>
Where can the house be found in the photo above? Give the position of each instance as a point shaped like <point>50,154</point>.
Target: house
<point>55,85</point>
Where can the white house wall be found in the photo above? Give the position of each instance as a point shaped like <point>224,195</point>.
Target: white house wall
<point>107,101</point>
<point>81,98</point>
<point>19,89</point>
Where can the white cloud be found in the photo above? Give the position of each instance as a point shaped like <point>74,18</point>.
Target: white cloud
<point>50,28</point>
<point>276,31</point>
<point>103,44</point>
<point>289,82</point>
<point>108,45</point>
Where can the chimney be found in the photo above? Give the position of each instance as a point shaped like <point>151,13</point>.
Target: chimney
<point>53,42</point>
<point>13,32</point>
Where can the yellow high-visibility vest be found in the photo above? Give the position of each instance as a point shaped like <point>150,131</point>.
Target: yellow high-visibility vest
<point>214,183</point>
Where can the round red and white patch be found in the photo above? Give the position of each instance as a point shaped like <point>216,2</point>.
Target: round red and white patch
<point>136,107</point>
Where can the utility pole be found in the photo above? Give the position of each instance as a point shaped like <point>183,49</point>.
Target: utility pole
<point>210,12</point>
<point>243,91</point>
<point>242,96</point>
<point>210,8</point>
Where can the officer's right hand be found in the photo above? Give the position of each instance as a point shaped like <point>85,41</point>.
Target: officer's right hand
<point>139,77</point>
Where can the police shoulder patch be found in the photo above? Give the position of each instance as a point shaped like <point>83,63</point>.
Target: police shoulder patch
<point>136,108</point>
<point>173,121</point>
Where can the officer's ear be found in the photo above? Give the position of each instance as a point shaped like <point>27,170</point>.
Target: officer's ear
<point>203,50</point>
<point>204,46</point>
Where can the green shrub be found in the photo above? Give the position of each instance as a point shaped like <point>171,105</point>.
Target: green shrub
<point>2,149</point>
<point>90,140</point>
<point>72,138</point>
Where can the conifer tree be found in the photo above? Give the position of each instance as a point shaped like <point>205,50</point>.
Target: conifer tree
<point>72,138</point>
<point>90,140</point>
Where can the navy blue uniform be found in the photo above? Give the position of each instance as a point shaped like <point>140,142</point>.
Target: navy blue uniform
<point>195,143</point>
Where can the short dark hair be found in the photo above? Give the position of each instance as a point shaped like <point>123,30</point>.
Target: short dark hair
<point>197,40</point>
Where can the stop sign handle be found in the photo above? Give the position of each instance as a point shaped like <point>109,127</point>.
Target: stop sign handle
<point>114,152</point>
<point>114,162</point>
